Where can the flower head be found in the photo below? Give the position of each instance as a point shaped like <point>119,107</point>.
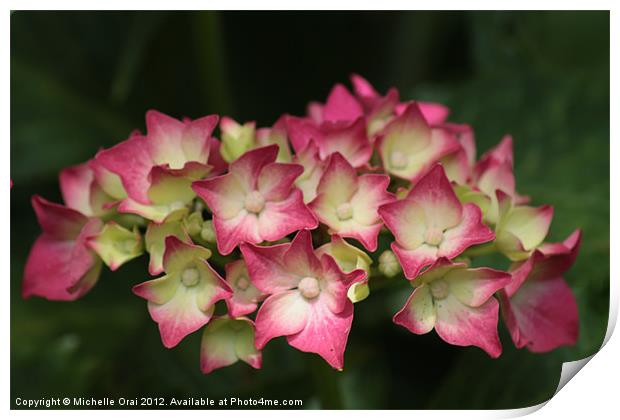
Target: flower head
<point>348,203</point>
<point>458,303</point>
<point>409,147</point>
<point>538,307</point>
<point>255,201</point>
<point>308,297</point>
<point>157,169</point>
<point>431,223</point>
<point>184,299</point>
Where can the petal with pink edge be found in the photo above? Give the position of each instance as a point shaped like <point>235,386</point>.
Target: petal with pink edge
<point>474,287</point>
<point>281,314</point>
<point>462,325</point>
<point>56,220</point>
<point>62,269</point>
<point>276,180</point>
<point>131,161</point>
<point>225,341</point>
<point>470,231</point>
<point>325,333</point>
<point>542,315</point>
<point>280,218</point>
<point>418,315</point>
<point>434,194</point>
<point>267,268</point>
<point>341,105</point>
<point>413,261</point>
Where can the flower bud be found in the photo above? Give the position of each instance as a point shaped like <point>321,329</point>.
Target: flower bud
<point>236,138</point>
<point>208,233</point>
<point>193,223</point>
<point>388,264</point>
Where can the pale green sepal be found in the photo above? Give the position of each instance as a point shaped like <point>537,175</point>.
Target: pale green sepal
<point>116,245</point>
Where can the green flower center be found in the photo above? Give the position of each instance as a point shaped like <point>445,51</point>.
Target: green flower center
<point>309,287</point>
<point>439,289</point>
<point>398,159</point>
<point>254,202</point>
<point>190,276</point>
<point>344,211</point>
<point>433,236</point>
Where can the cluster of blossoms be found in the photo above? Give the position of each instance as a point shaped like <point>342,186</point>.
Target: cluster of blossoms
<point>277,222</point>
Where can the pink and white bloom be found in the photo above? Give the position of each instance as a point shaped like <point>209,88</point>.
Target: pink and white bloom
<point>184,299</point>
<point>308,297</point>
<point>60,265</point>
<point>347,138</point>
<point>458,303</point>
<point>255,201</point>
<point>157,169</point>
<point>538,307</point>
<point>348,203</point>
<point>431,223</point>
<point>409,147</point>
<point>227,340</point>
<point>246,296</point>
<point>520,229</point>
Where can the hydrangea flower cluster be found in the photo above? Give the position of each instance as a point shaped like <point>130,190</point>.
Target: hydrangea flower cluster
<point>278,223</point>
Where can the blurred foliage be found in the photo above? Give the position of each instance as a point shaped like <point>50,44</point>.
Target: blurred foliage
<point>80,81</point>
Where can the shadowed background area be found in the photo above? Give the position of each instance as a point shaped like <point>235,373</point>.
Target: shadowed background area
<point>81,81</point>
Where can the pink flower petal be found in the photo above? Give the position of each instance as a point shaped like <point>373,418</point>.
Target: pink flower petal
<point>418,315</point>
<point>350,140</point>
<point>341,106</point>
<point>276,180</point>
<point>249,166</point>
<point>475,286</point>
<point>58,221</point>
<point>267,268</point>
<point>60,266</point>
<point>75,186</point>
<point>280,218</point>
<point>413,261</point>
<point>542,315</point>
<point>462,325</point>
<point>281,314</point>
<point>325,333</point>
<point>470,231</point>
<point>131,161</point>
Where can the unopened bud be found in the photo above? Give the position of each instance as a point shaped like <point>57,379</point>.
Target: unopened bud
<point>208,233</point>
<point>388,264</point>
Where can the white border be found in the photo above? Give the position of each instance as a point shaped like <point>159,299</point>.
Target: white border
<point>593,394</point>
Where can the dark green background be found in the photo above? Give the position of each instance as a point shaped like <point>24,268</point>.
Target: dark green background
<point>80,81</point>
